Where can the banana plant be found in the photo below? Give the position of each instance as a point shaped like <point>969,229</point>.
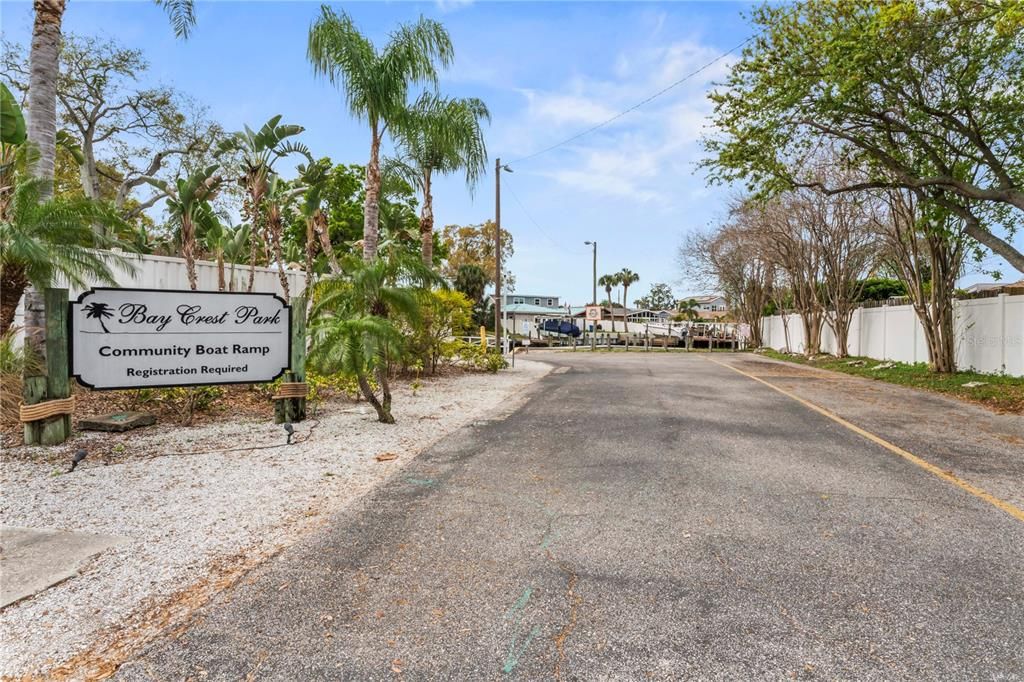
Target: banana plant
<point>188,203</point>
<point>258,152</point>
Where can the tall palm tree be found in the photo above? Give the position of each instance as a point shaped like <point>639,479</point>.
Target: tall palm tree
<point>609,282</point>
<point>626,278</point>
<point>188,203</point>
<point>440,135</point>
<point>44,241</point>
<point>44,58</point>
<point>314,179</point>
<point>376,83</point>
<point>259,151</point>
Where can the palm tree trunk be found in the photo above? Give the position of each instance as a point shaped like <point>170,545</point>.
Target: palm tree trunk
<point>371,205</point>
<point>625,297</point>
<point>221,282</point>
<point>310,249</point>
<point>42,92</point>
<point>320,225</point>
<point>188,251</point>
<point>275,241</point>
<point>427,221</point>
<point>13,283</point>
<point>253,251</point>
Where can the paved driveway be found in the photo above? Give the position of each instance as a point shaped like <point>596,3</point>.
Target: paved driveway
<point>643,516</point>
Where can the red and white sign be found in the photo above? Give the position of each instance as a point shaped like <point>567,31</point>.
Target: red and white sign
<point>593,313</point>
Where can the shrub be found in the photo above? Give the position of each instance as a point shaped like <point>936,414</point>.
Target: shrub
<point>186,401</point>
<point>472,355</point>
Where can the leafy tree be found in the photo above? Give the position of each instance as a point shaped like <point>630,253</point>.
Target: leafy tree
<point>440,136</point>
<point>471,280</point>
<point>474,245</point>
<point>913,94</point>
<point>44,70</point>
<point>376,83</point>
<point>660,297</point>
<point>444,314</point>
<point>881,289</point>
<point>142,132</point>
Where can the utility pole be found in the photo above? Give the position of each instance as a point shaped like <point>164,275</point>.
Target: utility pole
<point>593,300</point>
<point>497,254</point>
<point>498,339</point>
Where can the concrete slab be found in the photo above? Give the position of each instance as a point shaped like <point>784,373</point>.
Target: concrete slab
<point>34,559</point>
<point>118,421</point>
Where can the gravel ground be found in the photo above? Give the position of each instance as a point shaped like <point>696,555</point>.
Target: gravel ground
<point>197,522</point>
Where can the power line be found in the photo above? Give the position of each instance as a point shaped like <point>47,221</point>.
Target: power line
<point>638,104</point>
<point>544,232</point>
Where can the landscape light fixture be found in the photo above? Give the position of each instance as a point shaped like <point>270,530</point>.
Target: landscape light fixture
<point>80,454</point>
<point>290,430</point>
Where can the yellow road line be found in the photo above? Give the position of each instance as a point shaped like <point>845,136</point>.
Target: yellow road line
<point>1011,509</point>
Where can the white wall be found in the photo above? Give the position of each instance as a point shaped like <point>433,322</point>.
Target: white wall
<point>164,272</point>
<point>989,334</point>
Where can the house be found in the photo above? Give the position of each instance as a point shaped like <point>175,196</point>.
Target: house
<point>525,313</point>
<point>983,287</point>
<point>709,307</point>
<point>544,301</point>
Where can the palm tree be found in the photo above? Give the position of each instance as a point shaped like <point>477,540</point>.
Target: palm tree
<point>215,239</point>
<point>188,204</point>
<point>689,308</point>
<point>609,282</point>
<point>43,241</point>
<point>277,199</point>
<point>626,278</point>
<point>440,135</point>
<point>376,83</point>
<point>98,311</point>
<point>259,151</point>
<point>355,328</point>
<point>44,59</point>
<point>314,178</point>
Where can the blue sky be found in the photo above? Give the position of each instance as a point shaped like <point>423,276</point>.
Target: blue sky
<point>546,70</point>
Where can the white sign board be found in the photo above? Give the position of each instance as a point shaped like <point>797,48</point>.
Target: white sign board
<point>134,338</point>
<point>593,313</point>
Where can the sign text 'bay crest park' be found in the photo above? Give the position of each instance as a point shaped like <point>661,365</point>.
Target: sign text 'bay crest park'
<point>134,338</point>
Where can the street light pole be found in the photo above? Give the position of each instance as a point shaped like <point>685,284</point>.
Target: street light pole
<point>497,250</point>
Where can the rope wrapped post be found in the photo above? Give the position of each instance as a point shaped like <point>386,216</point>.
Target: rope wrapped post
<point>290,400</point>
<point>47,407</point>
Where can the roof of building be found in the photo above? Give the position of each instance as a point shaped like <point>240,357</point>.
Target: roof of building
<point>703,298</point>
<point>530,309</point>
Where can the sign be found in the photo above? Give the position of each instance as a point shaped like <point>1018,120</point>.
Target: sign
<point>135,338</point>
<point>593,313</point>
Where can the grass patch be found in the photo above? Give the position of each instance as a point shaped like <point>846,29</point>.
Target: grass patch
<point>999,392</point>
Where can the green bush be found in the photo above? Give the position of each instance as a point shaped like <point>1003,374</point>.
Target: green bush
<point>472,355</point>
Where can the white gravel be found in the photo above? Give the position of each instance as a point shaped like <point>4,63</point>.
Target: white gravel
<point>190,519</point>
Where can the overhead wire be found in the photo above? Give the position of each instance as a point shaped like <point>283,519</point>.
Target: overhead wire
<point>539,227</point>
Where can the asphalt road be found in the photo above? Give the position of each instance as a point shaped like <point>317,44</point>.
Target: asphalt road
<point>650,516</point>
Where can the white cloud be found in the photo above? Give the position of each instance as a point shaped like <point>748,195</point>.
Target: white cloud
<point>452,5</point>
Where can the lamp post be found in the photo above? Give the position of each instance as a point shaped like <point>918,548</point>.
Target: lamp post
<point>498,338</point>
<point>593,300</point>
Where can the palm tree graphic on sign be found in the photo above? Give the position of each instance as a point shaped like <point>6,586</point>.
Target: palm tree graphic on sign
<point>98,311</point>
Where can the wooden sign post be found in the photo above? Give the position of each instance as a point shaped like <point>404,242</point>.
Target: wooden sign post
<point>290,400</point>
<point>47,406</point>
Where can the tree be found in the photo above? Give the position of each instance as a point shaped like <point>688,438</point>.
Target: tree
<point>925,244</point>
<point>258,152</point>
<point>660,297</point>
<point>188,202</point>
<point>688,309</point>
<point>474,245</point>
<point>440,136</point>
<point>626,278</point>
<point>609,282</point>
<point>42,241</point>
<point>376,83</point>
<point>102,104</point>
<point>44,70</point>
<point>912,93</point>
<point>355,324</point>
<point>471,281</point>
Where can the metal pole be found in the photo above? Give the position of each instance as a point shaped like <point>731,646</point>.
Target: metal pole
<point>498,339</point>
<point>593,301</point>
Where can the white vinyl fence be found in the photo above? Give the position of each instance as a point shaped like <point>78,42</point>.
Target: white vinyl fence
<point>164,272</point>
<point>989,334</point>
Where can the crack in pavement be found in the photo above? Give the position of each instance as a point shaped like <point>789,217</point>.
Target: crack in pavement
<point>574,604</point>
